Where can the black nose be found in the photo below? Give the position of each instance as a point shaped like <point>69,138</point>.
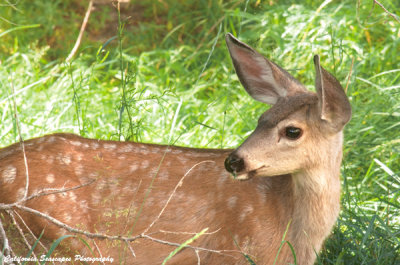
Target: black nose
<point>234,164</point>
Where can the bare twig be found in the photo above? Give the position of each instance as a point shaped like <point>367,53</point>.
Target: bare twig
<point>21,140</point>
<point>21,233</point>
<point>4,239</point>
<point>389,13</point>
<point>49,191</point>
<point>71,229</point>
<point>349,76</point>
<point>131,249</point>
<point>188,233</point>
<point>164,242</point>
<point>198,256</point>
<point>83,27</point>
<point>98,250</point>
<point>173,193</point>
<point>29,230</point>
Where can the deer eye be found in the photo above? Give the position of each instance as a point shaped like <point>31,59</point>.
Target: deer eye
<point>293,133</point>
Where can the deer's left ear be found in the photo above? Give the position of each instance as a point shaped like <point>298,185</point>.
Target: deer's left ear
<point>333,104</point>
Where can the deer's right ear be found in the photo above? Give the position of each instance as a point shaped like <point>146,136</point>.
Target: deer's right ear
<point>263,80</point>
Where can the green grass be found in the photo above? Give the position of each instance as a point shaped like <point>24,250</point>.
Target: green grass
<point>171,81</point>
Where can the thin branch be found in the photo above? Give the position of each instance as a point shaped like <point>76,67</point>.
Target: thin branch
<point>98,250</point>
<point>21,140</point>
<point>49,191</point>
<point>30,231</point>
<point>83,27</point>
<point>198,256</point>
<point>387,11</point>
<point>173,193</point>
<point>71,229</point>
<point>164,242</point>
<point>348,78</point>
<point>188,233</point>
<point>4,238</point>
<point>21,233</point>
<point>131,249</point>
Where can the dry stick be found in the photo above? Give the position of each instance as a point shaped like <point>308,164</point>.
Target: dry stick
<point>98,250</point>
<point>389,13</point>
<point>348,78</point>
<point>221,252</point>
<point>21,233</point>
<point>173,193</point>
<point>83,27</point>
<point>21,140</point>
<point>30,231</point>
<point>49,191</point>
<point>119,238</point>
<point>188,233</point>
<point>3,236</point>
<point>198,256</point>
<point>131,249</point>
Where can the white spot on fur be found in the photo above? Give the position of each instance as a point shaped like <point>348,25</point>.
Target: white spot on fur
<point>133,168</point>
<point>144,150</point>
<point>52,198</point>
<point>110,146</point>
<point>177,151</point>
<point>50,159</point>
<point>9,174</point>
<point>79,156</point>
<point>72,196</point>
<point>245,212</point>
<point>20,193</point>
<point>145,164</point>
<point>127,148</point>
<point>84,206</point>
<point>164,175</point>
<point>75,143</point>
<point>122,157</point>
<point>96,198</point>
<point>78,170</point>
<point>50,178</point>
<point>51,139</point>
<point>67,217</point>
<point>94,145</point>
<point>64,158</point>
<point>155,150</point>
<point>232,202</point>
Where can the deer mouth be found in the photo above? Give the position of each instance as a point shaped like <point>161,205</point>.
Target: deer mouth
<point>249,174</point>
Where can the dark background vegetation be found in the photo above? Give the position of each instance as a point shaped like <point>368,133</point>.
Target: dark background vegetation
<point>159,71</point>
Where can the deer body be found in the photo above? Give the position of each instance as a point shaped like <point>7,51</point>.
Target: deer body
<point>164,195</point>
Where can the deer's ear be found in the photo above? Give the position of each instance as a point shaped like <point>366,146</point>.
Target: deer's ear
<point>333,104</point>
<point>263,80</point>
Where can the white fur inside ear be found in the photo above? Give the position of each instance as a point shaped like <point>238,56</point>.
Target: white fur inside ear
<point>272,90</point>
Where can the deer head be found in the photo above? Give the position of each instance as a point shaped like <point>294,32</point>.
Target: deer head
<point>299,124</point>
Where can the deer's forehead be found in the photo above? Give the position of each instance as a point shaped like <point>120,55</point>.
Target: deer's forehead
<point>287,107</point>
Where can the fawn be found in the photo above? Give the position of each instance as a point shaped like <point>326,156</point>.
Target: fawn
<point>138,202</point>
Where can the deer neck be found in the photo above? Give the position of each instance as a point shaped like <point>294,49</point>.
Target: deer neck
<point>316,202</point>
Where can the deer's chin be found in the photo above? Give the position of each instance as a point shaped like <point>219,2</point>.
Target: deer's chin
<point>251,173</point>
